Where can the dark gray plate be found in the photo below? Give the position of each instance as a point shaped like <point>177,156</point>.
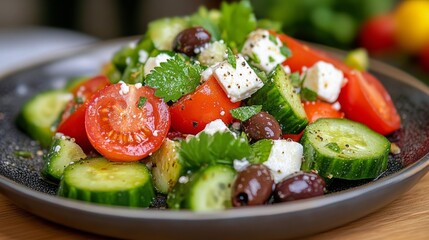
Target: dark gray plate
<point>21,182</point>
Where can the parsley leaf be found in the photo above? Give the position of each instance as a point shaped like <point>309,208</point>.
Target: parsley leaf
<point>205,19</point>
<point>295,79</point>
<point>272,39</point>
<point>285,51</point>
<point>174,78</point>
<point>261,151</point>
<point>141,102</point>
<point>236,22</point>
<point>308,94</point>
<point>246,112</point>
<point>231,58</point>
<point>207,149</point>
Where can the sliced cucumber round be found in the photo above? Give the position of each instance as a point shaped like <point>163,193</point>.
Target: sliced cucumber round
<point>278,98</point>
<point>101,181</point>
<point>208,189</point>
<point>341,148</point>
<point>40,113</point>
<point>62,152</point>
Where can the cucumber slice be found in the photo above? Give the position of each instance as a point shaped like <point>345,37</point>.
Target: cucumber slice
<point>99,180</point>
<point>166,168</point>
<point>62,152</point>
<point>278,98</point>
<point>40,113</point>
<point>164,31</point>
<point>207,190</point>
<point>340,148</point>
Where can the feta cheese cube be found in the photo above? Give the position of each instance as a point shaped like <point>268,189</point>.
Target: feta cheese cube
<point>285,158</point>
<point>215,126</point>
<point>238,83</point>
<point>154,62</point>
<point>324,79</point>
<point>264,50</point>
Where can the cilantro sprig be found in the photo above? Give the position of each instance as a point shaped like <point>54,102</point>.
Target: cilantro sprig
<point>207,149</point>
<point>174,78</point>
<point>245,112</point>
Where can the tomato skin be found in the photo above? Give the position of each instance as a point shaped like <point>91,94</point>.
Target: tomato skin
<point>72,122</point>
<point>318,109</point>
<point>365,100</point>
<point>358,94</point>
<point>377,34</point>
<point>120,128</point>
<point>191,113</point>
<point>424,58</point>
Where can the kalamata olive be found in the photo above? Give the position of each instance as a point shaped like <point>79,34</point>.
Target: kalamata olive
<point>189,39</point>
<point>253,186</point>
<point>262,126</point>
<point>300,185</point>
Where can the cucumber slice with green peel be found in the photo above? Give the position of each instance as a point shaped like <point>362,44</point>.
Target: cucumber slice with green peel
<point>208,189</point>
<point>166,168</point>
<point>279,99</point>
<point>164,31</point>
<point>99,180</point>
<point>341,148</point>
<point>40,113</point>
<point>62,152</point>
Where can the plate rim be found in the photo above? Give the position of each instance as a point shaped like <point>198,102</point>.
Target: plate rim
<point>420,166</point>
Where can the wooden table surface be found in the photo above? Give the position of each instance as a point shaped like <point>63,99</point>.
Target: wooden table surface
<point>405,218</point>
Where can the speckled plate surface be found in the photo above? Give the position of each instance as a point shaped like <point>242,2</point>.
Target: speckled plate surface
<point>21,182</point>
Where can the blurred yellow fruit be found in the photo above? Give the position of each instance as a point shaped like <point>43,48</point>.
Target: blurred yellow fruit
<point>412,25</point>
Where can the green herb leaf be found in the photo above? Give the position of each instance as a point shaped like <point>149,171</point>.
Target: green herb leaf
<point>246,112</point>
<point>206,149</point>
<point>142,101</point>
<point>23,154</point>
<point>270,25</point>
<point>272,38</point>
<point>255,59</point>
<point>333,146</point>
<point>236,22</point>
<point>231,58</point>
<point>308,94</point>
<point>285,51</point>
<point>261,151</point>
<point>205,19</point>
<point>174,78</point>
<point>295,79</point>
<point>261,74</point>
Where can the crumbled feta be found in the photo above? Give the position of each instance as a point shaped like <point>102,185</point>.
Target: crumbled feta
<point>240,165</point>
<point>143,55</point>
<point>324,79</point>
<point>215,126</point>
<point>154,62</point>
<point>285,158</point>
<point>263,49</point>
<point>124,88</point>
<point>287,69</point>
<point>138,85</point>
<point>206,74</point>
<point>336,106</point>
<point>183,179</point>
<point>238,83</point>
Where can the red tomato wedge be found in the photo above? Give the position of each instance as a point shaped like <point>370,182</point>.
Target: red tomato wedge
<point>318,109</point>
<point>126,125</point>
<point>363,98</point>
<point>72,122</point>
<point>207,103</point>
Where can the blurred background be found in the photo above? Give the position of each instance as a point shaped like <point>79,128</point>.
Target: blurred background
<point>396,31</point>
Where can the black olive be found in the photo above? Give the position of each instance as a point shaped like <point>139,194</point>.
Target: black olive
<point>300,185</point>
<point>189,39</point>
<point>262,126</point>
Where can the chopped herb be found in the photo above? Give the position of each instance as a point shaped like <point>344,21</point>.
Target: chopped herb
<point>308,94</point>
<point>285,51</point>
<point>142,101</point>
<point>295,79</point>
<point>246,112</point>
<point>23,154</point>
<point>270,58</point>
<point>333,146</point>
<point>231,58</point>
<point>273,39</point>
<point>78,100</point>
<point>255,59</point>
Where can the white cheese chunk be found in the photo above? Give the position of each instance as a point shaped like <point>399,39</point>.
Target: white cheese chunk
<point>285,158</point>
<point>263,49</point>
<point>324,79</point>
<point>215,126</point>
<point>143,55</point>
<point>238,83</point>
<point>154,62</point>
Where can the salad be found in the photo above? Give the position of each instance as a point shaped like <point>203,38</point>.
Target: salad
<point>213,110</point>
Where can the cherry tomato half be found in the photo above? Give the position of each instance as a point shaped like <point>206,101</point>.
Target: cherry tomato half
<point>363,98</point>
<point>126,125</point>
<point>72,122</point>
<point>207,103</point>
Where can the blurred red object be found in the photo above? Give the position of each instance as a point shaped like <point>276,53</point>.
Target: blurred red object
<point>377,34</point>
<point>424,58</point>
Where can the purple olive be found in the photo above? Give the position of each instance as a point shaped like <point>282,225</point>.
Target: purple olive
<point>262,126</point>
<point>300,185</point>
<point>253,186</point>
<point>189,39</point>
